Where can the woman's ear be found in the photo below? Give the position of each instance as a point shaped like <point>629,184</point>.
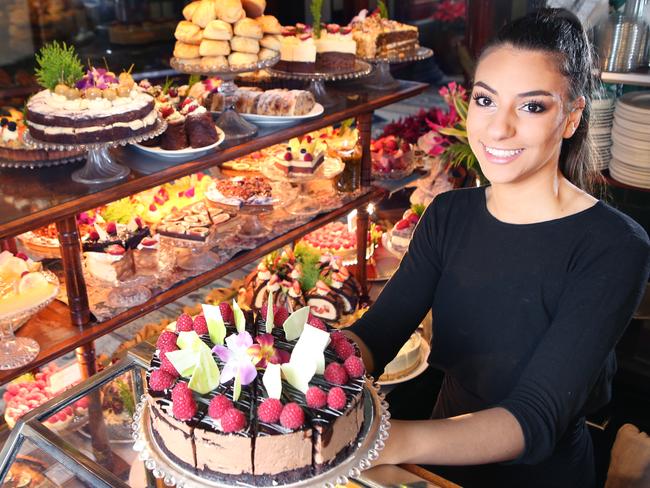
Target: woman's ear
<point>574,117</point>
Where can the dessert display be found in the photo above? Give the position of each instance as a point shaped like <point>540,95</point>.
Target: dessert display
<point>303,277</point>
<point>301,156</point>
<point>222,35</point>
<point>78,108</point>
<point>241,190</point>
<point>13,148</point>
<point>407,360</point>
<point>402,232</point>
<point>260,399</point>
<point>194,222</point>
<point>377,36</point>
<point>277,102</point>
<point>334,238</point>
<point>23,285</point>
<point>392,157</point>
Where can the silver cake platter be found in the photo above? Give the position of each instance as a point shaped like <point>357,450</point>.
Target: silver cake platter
<point>100,166</point>
<point>381,79</point>
<point>233,124</point>
<point>317,86</point>
<point>370,441</point>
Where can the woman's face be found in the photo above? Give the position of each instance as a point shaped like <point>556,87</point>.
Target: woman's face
<point>518,115</point>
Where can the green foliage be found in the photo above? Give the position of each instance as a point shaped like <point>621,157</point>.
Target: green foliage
<point>347,124</point>
<point>316,8</point>
<point>126,396</point>
<point>193,80</point>
<point>460,154</point>
<point>168,84</point>
<point>58,63</point>
<point>310,262</point>
<point>383,9</point>
<point>120,211</point>
<point>418,209</point>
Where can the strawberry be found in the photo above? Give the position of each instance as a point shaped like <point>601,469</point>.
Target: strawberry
<point>308,138</point>
<point>167,341</point>
<point>93,235</point>
<point>200,325</point>
<point>115,250</point>
<point>184,323</point>
<point>159,200</point>
<point>316,398</point>
<point>233,420</point>
<point>335,373</point>
<point>111,228</point>
<point>305,36</point>
<point>152,208</point>
<point>336,398</point>
<point>346,30</point>
<point>22,256</point>
<point>288,156</point>
<point>292,416</point>
<point>344,349</point>
<point>218,406</point>
<point>402,224</point>
<point>391,145</point>
<point>166,111</point>
<point>226,312</point>
<point>308,157</point>
<point>354,367</point>
<point>160,380</point>
<point>183,404</point>
<point>270,410</point>
<point>414,218</point>
<point>138,222</point>
<point>189,193</point>
<point>333,28</point>
<point>148,241</point>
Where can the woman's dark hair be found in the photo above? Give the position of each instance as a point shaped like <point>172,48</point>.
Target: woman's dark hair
<point>559,32</point>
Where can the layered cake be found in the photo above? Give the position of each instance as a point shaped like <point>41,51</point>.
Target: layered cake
<point>301,156</point>
<point>23,285</point>
<point>297,50</point>
<point>277,102</point>
<point>194,222</point>
<point>76,109</point>
<point>402,232</point>
<point>12,143</point>
<point>291,409</point>
<point>380,37</point>
<point>335,49</point>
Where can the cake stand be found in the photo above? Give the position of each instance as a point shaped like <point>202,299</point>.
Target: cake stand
<point>304,205</point>
<point>251,225</point>
<point>126,292</point>
<point>317,80</point>
<point>233,125</point>
<point>23,164</point>
<point>381,79</point>
<point>100,166</point>
<point>18,351</point>
<point>370,441</point>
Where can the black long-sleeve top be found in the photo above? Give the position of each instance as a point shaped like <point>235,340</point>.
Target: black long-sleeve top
<point>525,317</point>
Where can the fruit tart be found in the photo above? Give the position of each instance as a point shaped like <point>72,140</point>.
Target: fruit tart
<point>392,158</point>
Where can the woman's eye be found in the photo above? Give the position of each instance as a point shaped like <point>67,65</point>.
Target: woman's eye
<point>534,107</point>
<point>482,101</point>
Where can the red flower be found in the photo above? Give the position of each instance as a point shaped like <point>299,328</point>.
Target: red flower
<point>264,352</point>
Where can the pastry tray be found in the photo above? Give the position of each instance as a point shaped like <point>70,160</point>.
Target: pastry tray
<point>368,444</point>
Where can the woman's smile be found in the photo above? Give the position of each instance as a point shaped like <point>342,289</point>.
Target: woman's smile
<point>498,155</point>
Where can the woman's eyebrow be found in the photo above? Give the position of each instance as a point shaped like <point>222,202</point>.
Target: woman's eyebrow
<point>533,93</point>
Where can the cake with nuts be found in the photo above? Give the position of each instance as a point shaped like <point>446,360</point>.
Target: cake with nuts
<point>261,400</point>
<point>377,36</point>
<point>78,108</point>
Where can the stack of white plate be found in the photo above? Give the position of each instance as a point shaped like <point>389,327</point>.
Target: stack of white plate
<point>630,162</point>
<point>600,126</point>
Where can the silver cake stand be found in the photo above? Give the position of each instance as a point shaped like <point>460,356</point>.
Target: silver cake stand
<point>381,79</point>
<point>317,80</point>
<point>232,124</point>
<point>100,166</point>
<point>370,441</point>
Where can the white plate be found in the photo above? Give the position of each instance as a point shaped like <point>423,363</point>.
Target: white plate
<point>622,111</point>
<point>282,119</point>
<point>182,153</point>
<point>638,101</point>
<point>625,125</point>
<point>425,349</point>
<point>385,241</point>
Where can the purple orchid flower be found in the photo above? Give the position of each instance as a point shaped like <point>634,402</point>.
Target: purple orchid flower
<point>237,358</point>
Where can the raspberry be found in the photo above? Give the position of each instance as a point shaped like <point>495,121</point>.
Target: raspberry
<point>336,336</point>
<point>226,313</point>
<point>335,373</point>
<point>233,420</point>
<point>316,398</point>
<point>354,367</point>
<point>336,398</point>
<point>200,325</point>
<point>270,410</point>
<point>280,314</point>
<point>218,406</point>
<point>184,323</point>
<point>316,322</point>
<point>183,405</point>
<point>167,366</point>
<point>167,341</point>
<point>344,349</point>
<point>292,416</point>
<point>160,380</point>
<point>22,256</point>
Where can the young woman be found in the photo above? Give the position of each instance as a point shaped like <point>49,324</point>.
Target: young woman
<point>531,280</point>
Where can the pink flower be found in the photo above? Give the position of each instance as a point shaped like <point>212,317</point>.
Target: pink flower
<point>238,361</point>
<point>264,352</point>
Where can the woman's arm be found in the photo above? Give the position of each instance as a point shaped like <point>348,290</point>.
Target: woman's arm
<point>488,436</point>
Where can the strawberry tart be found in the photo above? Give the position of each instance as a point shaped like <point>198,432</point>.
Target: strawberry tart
<point>258,401</point>
<point>391,157</point>
<point>334,238</point>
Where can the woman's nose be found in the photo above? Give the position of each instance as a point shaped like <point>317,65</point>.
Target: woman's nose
<point>501,125</point>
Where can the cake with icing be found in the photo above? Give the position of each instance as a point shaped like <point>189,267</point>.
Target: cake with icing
<point>23,284</point>
<point>293,408</point>
<point>297,50</point>
<point>380,37</point>
<point>335,49</point>
<point>301,156</point>
<point>402,232</point>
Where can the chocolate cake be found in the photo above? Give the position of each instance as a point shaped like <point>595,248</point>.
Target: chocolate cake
<point>200,129</point>
<point>175,136</point>
<point>289,436</point>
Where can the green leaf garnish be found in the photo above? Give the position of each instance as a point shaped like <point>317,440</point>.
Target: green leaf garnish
<point>418,209</point>
<point>193,80</point>
<point>383,9</point>
<point>316,8</point>
<point>206,374</point>
<point>240,320</point>
<point>269,314</point>
<point>295,324</point>
<point>216,326</point>
<point>236,391</point>
<point>58,63</point>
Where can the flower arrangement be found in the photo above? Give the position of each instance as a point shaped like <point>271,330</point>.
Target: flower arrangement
<point>450,11</point>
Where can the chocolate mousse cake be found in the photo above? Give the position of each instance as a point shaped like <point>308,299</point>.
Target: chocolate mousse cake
<point>335,49</point>
<point>274,430</point>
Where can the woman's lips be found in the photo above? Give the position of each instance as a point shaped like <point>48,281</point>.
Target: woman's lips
<point>500,155</point>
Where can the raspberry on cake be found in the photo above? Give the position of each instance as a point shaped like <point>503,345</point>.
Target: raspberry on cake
<point>301,156</point>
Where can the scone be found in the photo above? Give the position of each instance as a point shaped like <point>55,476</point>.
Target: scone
<point>204,13</point>
<point>270,25</point>
<point>266,53</point>
<point>271,41</point>
<point>245,45</point>
<point>239,59</point>
<point>182,50</point>
<point>188,32</point>
<point>248,28</point>
<point>189,9</point>
<point>254,8</point>
<point>218,30</point>
<point>215,63</point>
<point>230,10</point>
<point>209,47</point>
